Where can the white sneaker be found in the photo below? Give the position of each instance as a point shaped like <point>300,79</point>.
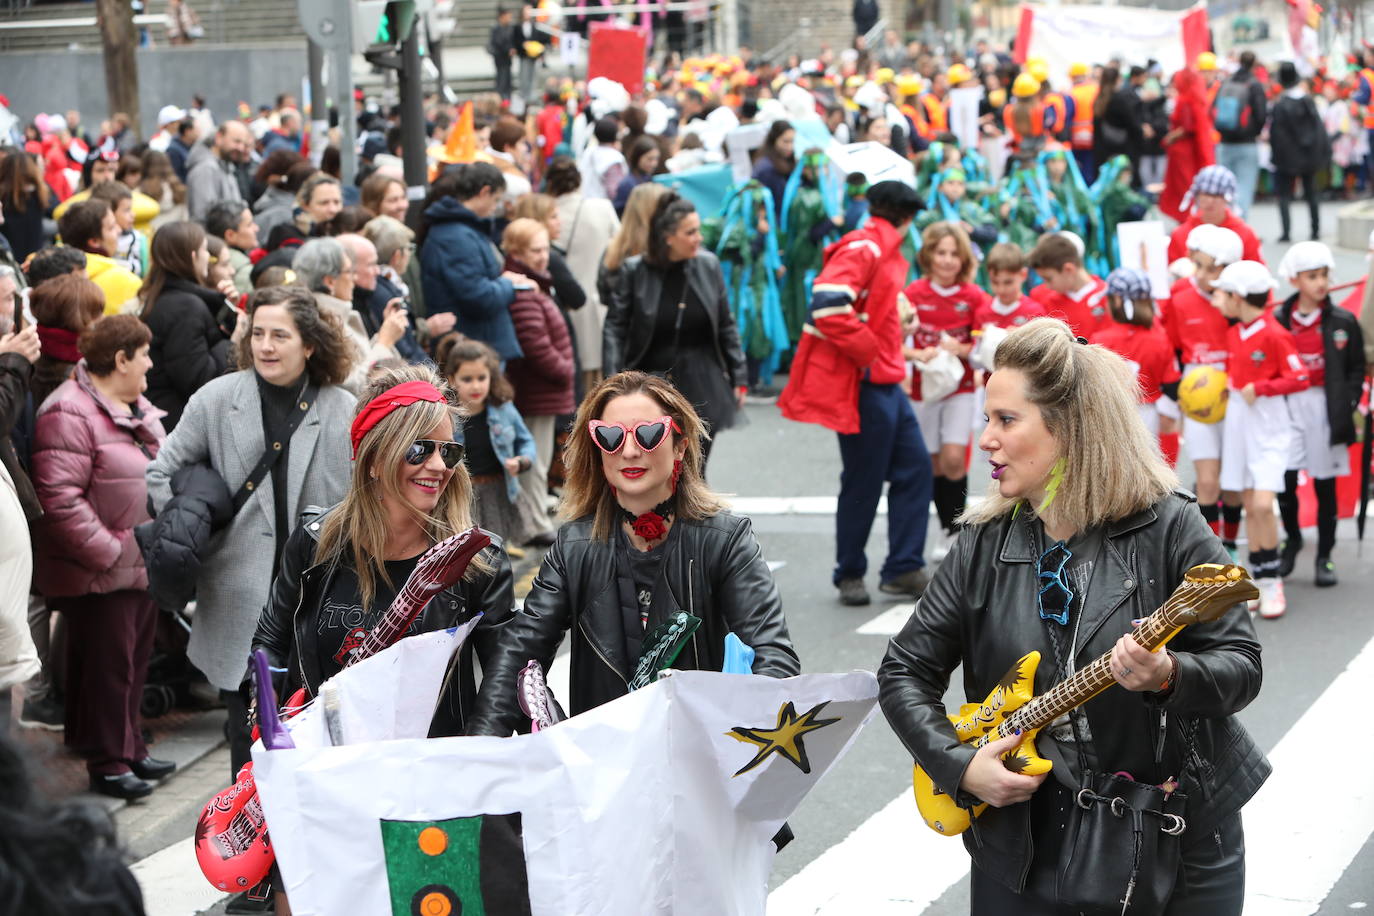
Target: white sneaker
<point>1273,604</point>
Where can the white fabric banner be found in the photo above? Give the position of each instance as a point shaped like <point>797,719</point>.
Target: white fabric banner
<point>662,801</point>
<point>1145,247</point>
<point>1096,34</point>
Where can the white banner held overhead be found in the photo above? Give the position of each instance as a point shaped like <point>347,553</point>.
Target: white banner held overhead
<point>1097,34</point>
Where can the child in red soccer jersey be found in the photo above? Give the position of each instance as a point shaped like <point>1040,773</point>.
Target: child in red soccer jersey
<point>1008,306</point>
<point>1331,346</point>
<point>1197,331</point>
<point>1262,366</point>
<point>1208,203</point>
<point>1069,293</point>
<point>945,301</point>
<point>1132,335</point>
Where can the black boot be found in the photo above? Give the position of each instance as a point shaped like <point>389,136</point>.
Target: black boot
<point>1288,555</point>
<point>1326,573</point>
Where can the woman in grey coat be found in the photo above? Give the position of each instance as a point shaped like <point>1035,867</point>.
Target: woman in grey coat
<point>298,356</point>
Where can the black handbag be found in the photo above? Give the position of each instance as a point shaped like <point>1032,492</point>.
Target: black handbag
<point>1121,851</point>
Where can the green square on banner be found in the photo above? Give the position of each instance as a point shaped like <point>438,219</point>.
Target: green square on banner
<point>434,867</point>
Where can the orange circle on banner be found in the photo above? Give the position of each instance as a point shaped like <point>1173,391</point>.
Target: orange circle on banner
<point>435,904</point>
<point>432,842</point>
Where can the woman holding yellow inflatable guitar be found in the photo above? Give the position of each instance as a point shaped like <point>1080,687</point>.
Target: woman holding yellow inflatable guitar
<point>1095,770</point>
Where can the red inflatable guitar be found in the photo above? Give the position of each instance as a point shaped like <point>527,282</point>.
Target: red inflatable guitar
<point>232,845</point>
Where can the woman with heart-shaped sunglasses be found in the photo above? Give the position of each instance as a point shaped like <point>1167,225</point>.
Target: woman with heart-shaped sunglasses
<point>645,539</point>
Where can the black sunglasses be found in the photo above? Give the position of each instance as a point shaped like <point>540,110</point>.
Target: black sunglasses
<point>419,451</point>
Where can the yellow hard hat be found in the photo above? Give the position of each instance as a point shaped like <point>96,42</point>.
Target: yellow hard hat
<point>1078,68</point>
<point>854,82</point>
<point>883,75</point>
<point>1025,86</point>
<point>1038,68</point>
<point>1206,61</point>
<point>909,84</point>
<point>959,73</point>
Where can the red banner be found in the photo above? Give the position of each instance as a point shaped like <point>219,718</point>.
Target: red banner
<point>618,54</point>
<point>1197,37</point>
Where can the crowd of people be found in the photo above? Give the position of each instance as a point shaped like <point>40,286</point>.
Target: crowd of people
<point>229,378</point>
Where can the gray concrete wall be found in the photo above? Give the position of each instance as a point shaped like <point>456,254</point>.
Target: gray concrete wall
<point>55,82</point>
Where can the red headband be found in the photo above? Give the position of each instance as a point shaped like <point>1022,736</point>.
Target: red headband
<point>378,408</point>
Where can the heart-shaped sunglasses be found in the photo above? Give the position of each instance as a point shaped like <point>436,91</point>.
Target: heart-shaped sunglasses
<point>649,434</point>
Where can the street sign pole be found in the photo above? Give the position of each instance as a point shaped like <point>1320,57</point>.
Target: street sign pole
<point>413,124</point>
<point>329,24</point>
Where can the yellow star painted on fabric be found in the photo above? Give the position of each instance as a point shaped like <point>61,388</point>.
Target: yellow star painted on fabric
<point>785,739</point>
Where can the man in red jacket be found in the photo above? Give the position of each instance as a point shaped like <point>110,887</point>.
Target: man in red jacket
<point>847,376</point>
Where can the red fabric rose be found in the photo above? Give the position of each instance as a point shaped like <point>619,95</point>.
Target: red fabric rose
<point>650,526</point>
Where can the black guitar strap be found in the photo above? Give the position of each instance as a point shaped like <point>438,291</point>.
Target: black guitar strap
<point>276,445</point>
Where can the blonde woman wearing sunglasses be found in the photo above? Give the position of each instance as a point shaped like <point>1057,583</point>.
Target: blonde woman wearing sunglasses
<point>645,539</point>
<point>342,567</point>
<point>1082,533</point>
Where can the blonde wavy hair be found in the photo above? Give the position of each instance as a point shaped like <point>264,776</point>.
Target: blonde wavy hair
<point>587,492</point>
<point>633,237</point>
<point>358,526</point>
<point>1087,396</point>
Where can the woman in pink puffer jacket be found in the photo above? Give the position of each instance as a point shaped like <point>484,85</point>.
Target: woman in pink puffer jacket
<point>95,436</point>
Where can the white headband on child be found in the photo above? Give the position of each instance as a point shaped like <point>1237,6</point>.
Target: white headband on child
<point>1224,245</point>
<point>1245,278</point>
<point>1305,256</point>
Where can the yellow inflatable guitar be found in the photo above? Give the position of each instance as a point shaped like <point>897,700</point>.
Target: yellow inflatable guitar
<point>1207,592</point>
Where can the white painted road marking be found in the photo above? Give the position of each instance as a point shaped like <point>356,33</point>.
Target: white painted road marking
<point>172,883</point>
<point>892,864</point>
<point>1292,858</point>
<point>889,622</point>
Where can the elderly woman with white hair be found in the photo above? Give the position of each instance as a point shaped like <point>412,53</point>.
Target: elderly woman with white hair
<point>326,268</point>
<point>395,244</point>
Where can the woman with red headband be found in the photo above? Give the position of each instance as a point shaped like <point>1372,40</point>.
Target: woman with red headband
<point>647,540</point>
<point>343,566</point>
<point>277,433</point>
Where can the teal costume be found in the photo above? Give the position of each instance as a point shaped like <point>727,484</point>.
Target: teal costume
<point>809,204</point>
<point>1117,203</point>
<point>750,262</point>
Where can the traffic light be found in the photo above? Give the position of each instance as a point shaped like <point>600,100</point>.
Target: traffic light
<point>368,19</point>
<point>381,41</point>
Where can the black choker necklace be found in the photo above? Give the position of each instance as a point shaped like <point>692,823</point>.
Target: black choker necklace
<point>651,525</point>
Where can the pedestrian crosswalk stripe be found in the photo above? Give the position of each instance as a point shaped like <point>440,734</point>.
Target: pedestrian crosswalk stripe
<point>172,883</point>
<point>1292,861</point>
<point>793,505</point>
<point>889,622</point>
<point>892,864</point>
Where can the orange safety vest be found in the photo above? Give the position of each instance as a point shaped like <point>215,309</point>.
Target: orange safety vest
<point>1054,101</point>
<point>1081,132</point>
<point>1037,123</point>
<point>1368,74</point>
<point>1211,93</point>
<point>936,115</point>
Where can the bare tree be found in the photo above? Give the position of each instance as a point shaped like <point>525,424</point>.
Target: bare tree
<point>119,40</point>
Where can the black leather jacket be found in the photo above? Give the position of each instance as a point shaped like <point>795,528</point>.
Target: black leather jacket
<point>286,629</point>
<point>980,611</point>
<point>714,568</point>
<point>632,310</point>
